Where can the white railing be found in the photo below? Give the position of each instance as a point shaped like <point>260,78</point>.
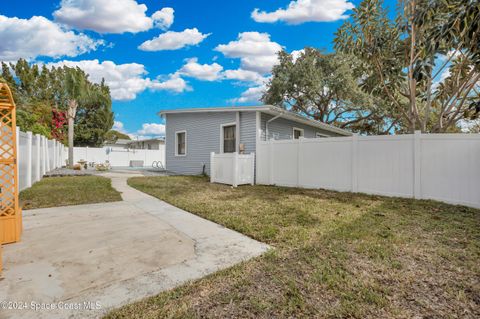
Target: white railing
<point>443,167</point>
<point>36,155</point>
<point>232,168</point>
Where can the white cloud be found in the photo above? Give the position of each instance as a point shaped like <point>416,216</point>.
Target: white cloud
<point>300,11</point>
<point>296,54</point>
<point>163,19</point>
<point>126,80</point>
<point>469,126</point>
<point>119,127</point>
<point>148,130</point>
<point>38,36</point>
<point>244,76</point>
<point>206,72</point>
<point>105,16</point>
<point>173,83</point>
<point>255,50</point>
<point>152,129</point>
<point>173,40</point>
<point>252,94</point>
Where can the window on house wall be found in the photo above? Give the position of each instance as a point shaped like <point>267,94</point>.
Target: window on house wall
<point>229,139</point>
<point>181,143</point>
<point>297,133</point>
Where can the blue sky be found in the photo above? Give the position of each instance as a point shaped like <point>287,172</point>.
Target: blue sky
<point>211,53</point>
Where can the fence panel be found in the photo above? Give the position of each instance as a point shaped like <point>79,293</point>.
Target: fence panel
<point>385,165</point>
<point>284,162</point>
<point>325,163</point>
<point>262,172</point>
<point>36,156</point>
<point>450,168</point>
<point>222,168</point>
<point>22,160</point>
<point>432,166</point>
<point>232,168</point>
<point>119,157</point>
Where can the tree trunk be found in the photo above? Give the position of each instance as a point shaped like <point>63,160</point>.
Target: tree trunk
<point>72,110</point>
<point>411,79</point>
<point>70,142</point>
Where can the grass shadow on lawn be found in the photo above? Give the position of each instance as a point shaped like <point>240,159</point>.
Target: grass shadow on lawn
<point>337,255</point>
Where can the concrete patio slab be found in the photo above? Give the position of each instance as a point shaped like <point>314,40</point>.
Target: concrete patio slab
<point>101,256</point>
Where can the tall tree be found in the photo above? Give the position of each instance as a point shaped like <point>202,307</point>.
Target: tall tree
<point>324,87</point>
<point>75,86</point>
<point>112,136</point>
<point>41,93</point>
<point>94,118</point>
<point>425,63</point>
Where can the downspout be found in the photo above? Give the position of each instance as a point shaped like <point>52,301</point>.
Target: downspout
<point>237,132</point>
<point>268,122</point>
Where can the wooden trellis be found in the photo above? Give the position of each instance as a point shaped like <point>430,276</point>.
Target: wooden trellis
<point>10,212</point>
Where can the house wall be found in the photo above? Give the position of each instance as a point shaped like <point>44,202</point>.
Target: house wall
<point>203,137</point>
<point>282,129</point>
<point>247,131</point>
<point>204,131</point>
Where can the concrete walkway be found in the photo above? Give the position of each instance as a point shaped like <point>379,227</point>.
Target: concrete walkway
<point>102,256</point>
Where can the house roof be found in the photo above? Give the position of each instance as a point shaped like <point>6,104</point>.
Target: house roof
<point>269,109</point>
<point>122,141</point>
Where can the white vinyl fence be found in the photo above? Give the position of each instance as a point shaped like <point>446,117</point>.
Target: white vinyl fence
<point>232,168</point>
<point>443,167</point>
<point>36,155</point>
<point>118,157</point>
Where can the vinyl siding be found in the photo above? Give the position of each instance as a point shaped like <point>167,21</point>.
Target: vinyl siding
<point>203,137</point>
<point>247,131</point>
<point>282,129</point>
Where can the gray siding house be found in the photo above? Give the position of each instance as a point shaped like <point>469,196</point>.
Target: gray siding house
<point>192,134</point>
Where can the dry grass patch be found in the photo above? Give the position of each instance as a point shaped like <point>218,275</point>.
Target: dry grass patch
<point>337,255</point>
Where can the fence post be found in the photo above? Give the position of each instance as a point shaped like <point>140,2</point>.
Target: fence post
<point>54,149</point>
<point>62,155</point>
<point>44,155</point>
<point>47,157</point>
<point>29,159</point>
<point>270,159</point>
<point>212,167</point>
<point>38,171</point>
<point>19,155</point>
<point>417,156</point>
<point>355,163</point>
<point>253,168</point>
<point>299,158</point>
<point>57,153</point>
<point>235,169</point>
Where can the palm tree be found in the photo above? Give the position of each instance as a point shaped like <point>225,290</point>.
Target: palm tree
<point>76,91</point>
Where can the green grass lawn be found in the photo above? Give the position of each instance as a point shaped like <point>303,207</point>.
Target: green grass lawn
<point>336,255</point>
<point>68,190</point>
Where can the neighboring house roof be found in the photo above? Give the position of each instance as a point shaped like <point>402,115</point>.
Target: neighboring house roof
<point>161,140</point>
<point>120,141</point>
<point>269,109</point>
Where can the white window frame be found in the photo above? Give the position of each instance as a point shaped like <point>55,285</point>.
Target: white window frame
<point>297,129</point>
<point>221,135</point>
<point>320,135</point>
<point>176,143</point>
